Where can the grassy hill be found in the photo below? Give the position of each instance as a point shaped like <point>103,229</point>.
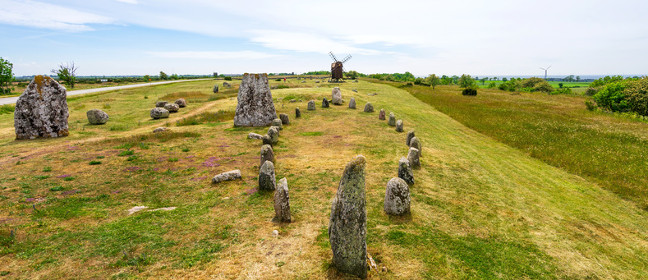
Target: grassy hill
<point>480,209</point>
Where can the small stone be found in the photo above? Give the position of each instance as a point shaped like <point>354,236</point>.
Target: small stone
<point>410,135</point>
<point>397,197</point>
<point>160,129</point>
<point>159,113</point>
<point>413,158</point>
<point>311,105</point>
<point>415,143</point>
<point>352,103</point>
<point>275,233</point>
<point>266,154</point>
<point>277,123</point>
<point>227,85</point>
<point>325,103</point>
<point>354,90</point>
<point>96,116</point>
<point>272,138</point>
<point>373,94</point>
<point>227,176</point>
<point>160,104</point>
<point>392,119</point>
<point>297,113</point>
<point>267,180</point>
<point>172,107</point>
<point>381,115</point>
<point>399,126</point>
<point>405,171</point>
<point>284,119</point>
<point>41,110</point>
<point>292,100</point>
<point>181,102</point>
<point>282,202</point>
<point>253,135</point>
<point>216,89</point>
<point>368,108</point>
<point>337,96</point>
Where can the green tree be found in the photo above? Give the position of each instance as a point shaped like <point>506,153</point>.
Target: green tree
<point>163,76</point>
<point>147,78</point>
<point>433,80</point>
<point>352,74</point>
<point>466,81</point>
<point>6,76</point>
<point>67,74</point>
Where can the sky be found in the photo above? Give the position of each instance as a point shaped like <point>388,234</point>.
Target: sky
<point>481,38</point>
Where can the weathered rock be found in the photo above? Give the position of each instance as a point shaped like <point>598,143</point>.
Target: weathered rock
<point>276,129</point>
<point>284,119</point>
<point>392,119</point>
<point>311,105</point>
<point>266,154</point>
<point>159,113</point>
<point>96,116</point>
<point>354,90</point>
<point>267,180</point>
<point>413,158</point>
<point>352,103</point>
<point>415,143</point>
<point>181,102</point>
<point>216,89</point>
<point>161,104</point>
<point>399,126</point>
<point>325,103</point>
<point>297,113</point>
<point>368,108</point>
<point>282,202</point>
<point>227,85</point>
<point>410,135</point>
<point>348,224</point>
<point>405,171</point>
<point>227,176</point>
<point>277,122</point>
<point>41,110</point>
<point>397,197</point>
<point>160,129</point>
<point>272,138</point>
<point>381,115</point>
<point>255,106</point>
<point>253,135</point>
<point>337,96</point>
<point>172,107</point>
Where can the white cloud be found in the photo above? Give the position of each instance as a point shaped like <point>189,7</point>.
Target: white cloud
<point>216,55</point>
<point>48,16</point>
<point>303,42</point>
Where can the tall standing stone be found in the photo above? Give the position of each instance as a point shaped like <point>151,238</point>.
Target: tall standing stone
<point>282,202</point>
<point>41,110</point>
<point>266,154</point>
<point>311,105</point>
<point>337,96</point>
<point>255,106</point>
<point>352,103</point>
<point>399,126</point>
<point>381,115</point>
<point>392,119</point>
<point>413,158</point>
<point>348,224</point>
<point>297,113</point>
<point>405,171</point>
<point>368,108</point>
<point>284,119</point>
<point>267,180</point>
<point>325,103</point>
<point>410,135</point>
<point>415,143</point>
<point>397,197</point>
<point>216,89</point>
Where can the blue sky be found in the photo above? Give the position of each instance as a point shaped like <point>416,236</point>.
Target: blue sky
<point>137,37</point>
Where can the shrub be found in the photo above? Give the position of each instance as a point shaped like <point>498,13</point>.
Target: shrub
<point>611,97</point>
<point>492,85</point>
<point>469,92</point>
<point>637,96</point>
<point>591,91</point>
<point>606,80</point>
<point>562,91</point>
<point>590,105</point>
<point>228,78</point>
<point>95,162</point>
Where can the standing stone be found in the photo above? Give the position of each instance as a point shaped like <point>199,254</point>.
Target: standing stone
<point>172,107</point>
<point>267,154</point>
<point>325,103</point>
<point>392,119</point>
<point>255,106</point>
<point>41,110</point>
<point>284,119</point>
<point>405,171</point>
<point>399,126</point>
<point>337,96</point>
<point>368,108</point>
<point>181,102</point>
<point>352,104</point>
<point>413,158</point>
<point>397,197</point>
<point>216,89</point>
<point>348,224</point>
<point>267,180</point>
<point>159,113</point>
<point>410,135</point>
<point>278,123</point>
<point>160,104</point>
<point>415,143</point>
<point>96,116</point>
<point>311,105</point>
<point>297,113</point>
<point>282,202</point>
<point>381,115</point>
<point>272,138</point>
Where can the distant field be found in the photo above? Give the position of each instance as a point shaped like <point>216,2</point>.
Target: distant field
<point>576,87</point>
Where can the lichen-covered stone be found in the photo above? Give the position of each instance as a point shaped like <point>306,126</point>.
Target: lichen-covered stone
<point>325,103</point>
<point>278,123</point>
<point>253,135</point>
<point>405,171</point>
<point>413,158</point>
<point>266,154</point>
<point>96,116</point>
<point>415,143</point>
<point>272,137</point>
<point>297,113</point>
<point>282,202</point>
<point>215,89</point>
<point>267,180</point>
<point>337,96</point>
<point>348,224</point>
<point>368,108</point>
<point>172,107</point>
<point>255,106</point>
<point>410,135</point>
<point>397,197</point>
<point>181,102</point>
<point>159,113</point>
<point>399,126</point>
<point>160,129</point>
<point>284,119</point>
<point>227,85</point>
<point>352,103</point>
<point>311,105</point>
<point>41,110</point>
<point>276,128</point>
<point>161,104</point>
<point>381,115</point>
<point>392,119</point>
<point>227,176</point>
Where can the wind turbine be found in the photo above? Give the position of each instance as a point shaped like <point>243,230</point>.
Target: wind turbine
<point>545,69</point>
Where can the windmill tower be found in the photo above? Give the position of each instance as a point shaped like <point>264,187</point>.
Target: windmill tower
<point>545,69</point>
<point>337,67</point>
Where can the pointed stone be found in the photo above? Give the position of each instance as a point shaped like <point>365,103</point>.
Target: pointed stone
<point>410,135</point>
<point>413,158</point>
<point>405,171</point>
<point>255,106</point>
<point>381,115</point>
<point>415,143</point>
<point>267,180</point>
<point>397,197</point>
<point>297,113</point>
<point>352,103</point>
<point>266,154</point>
<point>41,110</point>
<point>282,202</point>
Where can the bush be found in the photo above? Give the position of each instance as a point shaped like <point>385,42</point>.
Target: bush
<point>492,85</point>
<point>562,91</point>
<point>591,91</point>
<point>611,97</point>
<point>228,78</point>
<point>590,105</point>
<point>469,92</point>
<point>637,96</point>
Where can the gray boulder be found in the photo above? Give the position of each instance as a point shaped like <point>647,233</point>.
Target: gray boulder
<point>325,103</point>
<point>267,180</point>
<point>227,85</point>
<point>160,129</point>
<point>297,113</point>
<point>410,135</point>
<point>161,104</point>
<point>392,119</point>
<point>415,143</point>
<point>413,158</point>
<point>96,116</point>
<point>368,108</point>
<point>337,96</point>
<point>227,176</point>
<point>352,103</point>
<point>399,126</point>
<point>181,102</point>
<point>311,105</point>
<point>405,171</point>
<point>216,89</point>
<point>255,106</point>
<point>172,107</point>
<point>397,197</point>
<point>282,202</point>
<point>348,224</point>
<point>381,115</point>
<point>253,135</point>
<point>159,113</point>
<point>267,154</point>
<point>41,110</point>
<point>272,138</point>
<point>284,119</point>
<point>277,122</point>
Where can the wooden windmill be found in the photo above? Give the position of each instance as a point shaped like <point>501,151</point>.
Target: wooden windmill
<point>337,67</point>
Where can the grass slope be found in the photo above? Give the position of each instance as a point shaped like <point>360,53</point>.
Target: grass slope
<point>480,208</point>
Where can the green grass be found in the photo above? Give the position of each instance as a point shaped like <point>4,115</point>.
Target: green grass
<point>7,109</point>
<point>312,133</point>
<point>207,117</point>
